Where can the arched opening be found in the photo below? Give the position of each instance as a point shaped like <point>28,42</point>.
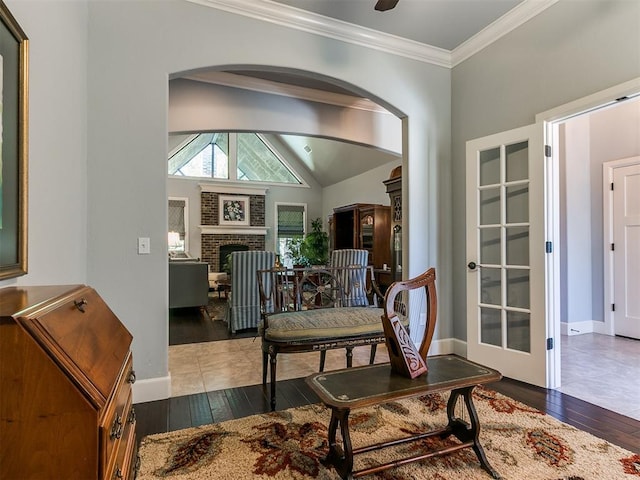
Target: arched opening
<point>297,111</point>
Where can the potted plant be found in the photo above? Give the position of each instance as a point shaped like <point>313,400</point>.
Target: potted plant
<point>315,246</point>
<point>294,252</point>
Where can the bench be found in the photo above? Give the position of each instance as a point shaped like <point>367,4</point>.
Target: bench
<point>315,310</point>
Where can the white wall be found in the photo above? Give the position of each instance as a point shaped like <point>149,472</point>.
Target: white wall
<point>134,47</point>
<point>569,51</point>
<point>575,255</point>
<point>365,188</point>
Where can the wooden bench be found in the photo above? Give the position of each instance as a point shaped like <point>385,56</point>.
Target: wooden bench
<point>317,309</point>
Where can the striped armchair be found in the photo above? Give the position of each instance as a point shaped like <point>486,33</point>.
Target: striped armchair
<point>244,304</point>
<point>354,282</point>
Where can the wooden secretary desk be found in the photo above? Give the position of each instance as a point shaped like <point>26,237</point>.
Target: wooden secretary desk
<point>65,386</point>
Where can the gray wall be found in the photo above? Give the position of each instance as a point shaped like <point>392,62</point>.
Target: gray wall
<point>569,51</point>
<point>134,47</point>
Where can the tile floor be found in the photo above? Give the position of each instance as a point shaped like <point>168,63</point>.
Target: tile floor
<point>602,370</point>
<point>205,367</point>
<point>599,369</point>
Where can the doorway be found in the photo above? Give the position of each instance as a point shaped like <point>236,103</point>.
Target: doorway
<point>585,145</point>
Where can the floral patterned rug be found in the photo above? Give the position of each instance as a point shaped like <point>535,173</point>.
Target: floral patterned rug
<point>521,443</point>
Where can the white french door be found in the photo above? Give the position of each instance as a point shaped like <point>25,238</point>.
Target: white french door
<point>506,324</point>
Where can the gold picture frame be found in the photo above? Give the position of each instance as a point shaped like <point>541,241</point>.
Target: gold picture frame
<point>14,97</point>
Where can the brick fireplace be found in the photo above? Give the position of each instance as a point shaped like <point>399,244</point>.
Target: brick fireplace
<point>214,235</point>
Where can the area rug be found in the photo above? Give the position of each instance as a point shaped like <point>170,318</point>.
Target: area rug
<point>521,443</point>
<point>216,308</point>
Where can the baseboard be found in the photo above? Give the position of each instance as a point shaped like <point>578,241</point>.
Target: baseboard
<point>447,346</point>
<point>577,328</point>
<point>151,389</point>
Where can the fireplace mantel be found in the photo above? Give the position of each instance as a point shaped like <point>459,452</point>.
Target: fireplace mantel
<point>232,230</point>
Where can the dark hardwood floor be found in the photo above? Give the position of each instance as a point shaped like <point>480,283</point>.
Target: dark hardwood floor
<point>193,410</point>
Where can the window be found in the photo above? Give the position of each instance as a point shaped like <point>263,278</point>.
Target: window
<point>207,155</point>
<point>290,221</point>
<point>259,163</point>
<point>177,220</point>
<point>204,155</point>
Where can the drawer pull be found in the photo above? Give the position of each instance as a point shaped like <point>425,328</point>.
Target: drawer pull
<point>132,377</point>
<point>116,428</point>
<point>132,416</point>
<point>80,304</point>
<point>117,474</point>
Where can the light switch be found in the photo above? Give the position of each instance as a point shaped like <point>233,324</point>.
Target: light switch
<point>144,245</point>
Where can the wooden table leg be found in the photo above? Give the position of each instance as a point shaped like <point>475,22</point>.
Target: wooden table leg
<point>342,460</point>
<point>466,432</point>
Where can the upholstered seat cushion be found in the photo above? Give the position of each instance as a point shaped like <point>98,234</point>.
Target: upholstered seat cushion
<point>324,323</point>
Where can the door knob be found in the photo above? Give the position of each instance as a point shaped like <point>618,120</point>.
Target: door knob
<point>472,265</point>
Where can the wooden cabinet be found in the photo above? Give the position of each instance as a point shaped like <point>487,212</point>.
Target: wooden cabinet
<point>363,226</point>
<point>65,386</point>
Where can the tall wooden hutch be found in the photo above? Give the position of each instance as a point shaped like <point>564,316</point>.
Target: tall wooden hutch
<point>363,226</point>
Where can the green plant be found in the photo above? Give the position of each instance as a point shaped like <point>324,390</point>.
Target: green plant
<point>294,252</point>
<point>315,246</point>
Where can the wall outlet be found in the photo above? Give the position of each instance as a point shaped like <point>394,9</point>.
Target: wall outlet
<point>423,319</point>
<point>144,245</point>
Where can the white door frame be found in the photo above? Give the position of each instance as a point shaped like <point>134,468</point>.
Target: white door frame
<point>552,119</point>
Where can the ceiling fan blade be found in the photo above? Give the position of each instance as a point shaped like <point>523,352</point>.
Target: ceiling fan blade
<point>384,5</point>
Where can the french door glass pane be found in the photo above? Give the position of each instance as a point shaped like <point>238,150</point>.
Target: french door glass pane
<point>517,161</point>
<point>490,206</point>
<point>490,246</point>
<point>517,204</point>
<point>517,246</point>
<point>490,166</point>
<point>490,326</point>
<point>518,331</point>
<point>491,286</point>
<point>518,288</point>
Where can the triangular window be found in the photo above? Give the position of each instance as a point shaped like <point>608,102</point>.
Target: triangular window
<point>207,155</point>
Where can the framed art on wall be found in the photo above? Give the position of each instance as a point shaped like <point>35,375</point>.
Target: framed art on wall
<point>13,146</point>
<point>234,210</point>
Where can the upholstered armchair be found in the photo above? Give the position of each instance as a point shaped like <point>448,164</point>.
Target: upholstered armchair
<point>354,281</point>
<point>244,302</point>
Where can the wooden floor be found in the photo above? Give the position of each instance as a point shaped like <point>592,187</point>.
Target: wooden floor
<point>193,410</point>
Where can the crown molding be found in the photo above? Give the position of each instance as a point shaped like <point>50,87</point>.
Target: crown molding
<point>285,15</point>
<point>496,30</point>
<point>280,14</point>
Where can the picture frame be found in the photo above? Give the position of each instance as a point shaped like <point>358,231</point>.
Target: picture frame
<point>233,210</point>
<point>14,95</point>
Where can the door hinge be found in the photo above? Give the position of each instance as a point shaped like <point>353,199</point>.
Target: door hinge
<point>613,307</point>
<point>548,247</point>
<point>612,186</point>
<point>549,343</point>
<point>613,247</point>
<point>547,151</point>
